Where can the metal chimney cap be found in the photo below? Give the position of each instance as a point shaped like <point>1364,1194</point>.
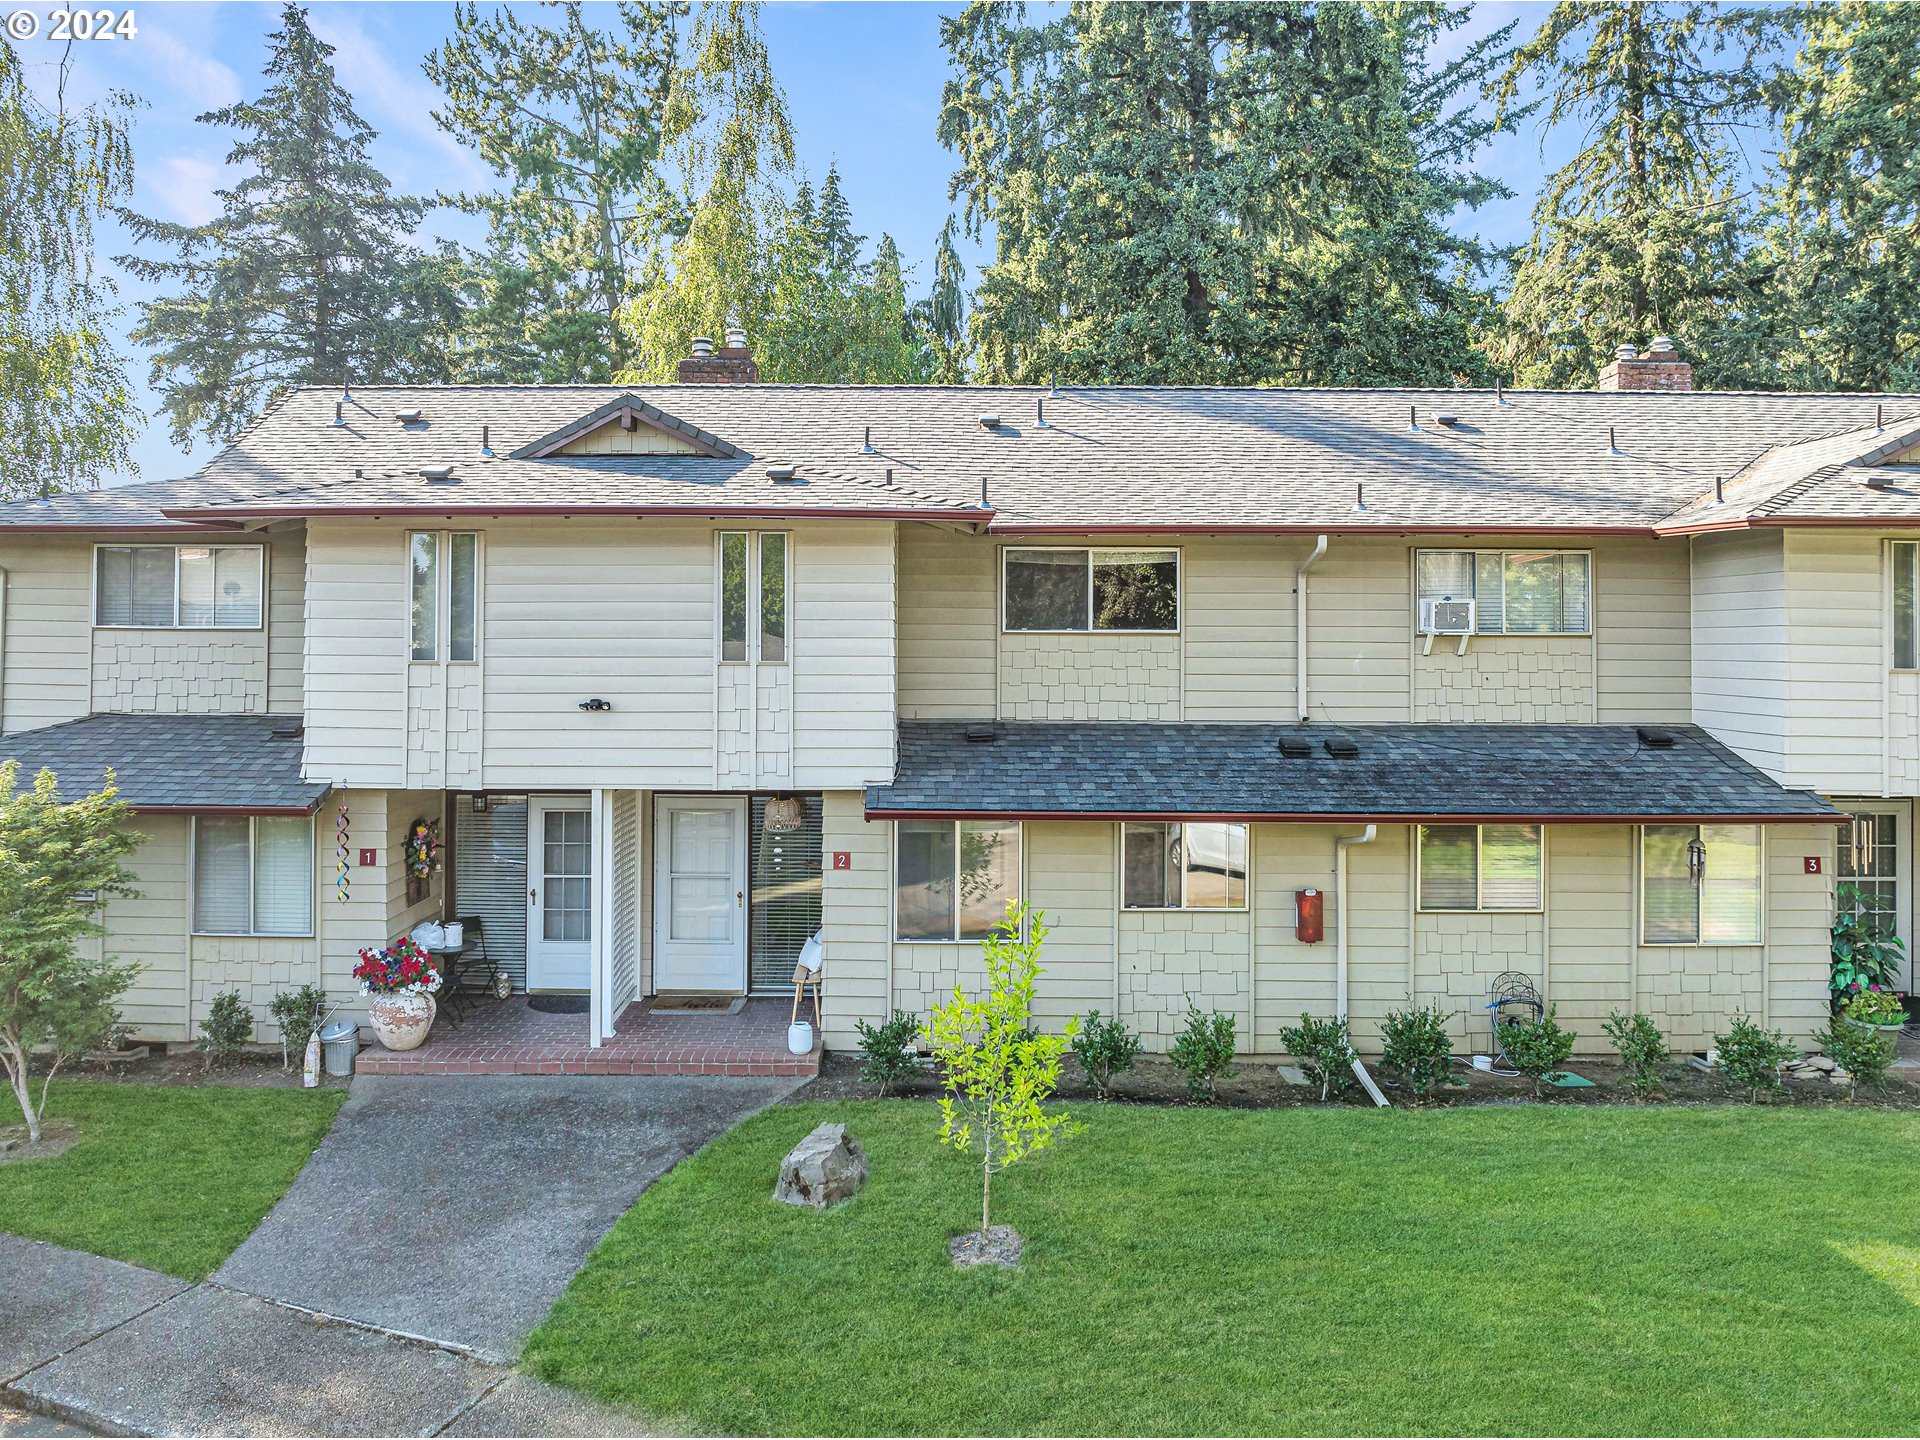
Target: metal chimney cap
<point>736,338</point>
<point>702,346</point>
<point>1626,352</point>
<point>1661,345</point>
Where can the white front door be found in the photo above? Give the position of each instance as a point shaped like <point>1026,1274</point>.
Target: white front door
<point>559,892</point>
<point>700,893</point>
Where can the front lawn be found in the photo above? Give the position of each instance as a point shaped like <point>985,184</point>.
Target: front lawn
<point>173,1178</point>
<point>1525,1270</point>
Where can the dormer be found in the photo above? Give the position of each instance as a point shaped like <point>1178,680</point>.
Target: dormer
<point>628,425</point>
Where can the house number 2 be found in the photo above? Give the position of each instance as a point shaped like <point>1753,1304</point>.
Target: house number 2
<point>843,859</point>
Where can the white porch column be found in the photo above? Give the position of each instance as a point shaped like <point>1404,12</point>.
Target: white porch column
<point>598,1021</point>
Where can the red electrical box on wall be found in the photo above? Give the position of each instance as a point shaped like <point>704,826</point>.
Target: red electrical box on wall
<point>1309,916</point>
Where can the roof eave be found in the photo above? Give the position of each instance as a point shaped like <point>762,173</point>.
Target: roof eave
<point>971,514</point>
<point>1317,527</point>
<point>1361,817</point>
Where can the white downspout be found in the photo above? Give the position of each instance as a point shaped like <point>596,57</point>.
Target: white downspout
<point>1341,844</point>
<point>1300,625</point>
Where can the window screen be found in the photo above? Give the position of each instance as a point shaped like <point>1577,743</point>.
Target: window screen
<point>463,596</point>
<point>1906,597</point>
<point>253,875</point>
<point>773,596</point>
<point>219,586</point>
<point>1723,908</point>
<point>733,597</point>
<point>164,586</point>
<point>423,586</point>
<point>282,875</point>
<point>222,875</point>
<point>1480,867</point>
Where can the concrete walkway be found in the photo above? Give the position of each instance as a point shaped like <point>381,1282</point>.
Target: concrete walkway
<point>457,1209</point>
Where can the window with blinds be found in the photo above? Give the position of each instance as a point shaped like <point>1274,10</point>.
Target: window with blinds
<point>199,587</point>
<point>1722,906</point>
<point>784,871</point>
<point>1480,867</point>
<point>1515,592</point>
<point>253,875</point>
<point>490,877</point>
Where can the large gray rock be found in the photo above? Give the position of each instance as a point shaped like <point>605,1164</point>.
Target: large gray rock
<point>828,1166</point>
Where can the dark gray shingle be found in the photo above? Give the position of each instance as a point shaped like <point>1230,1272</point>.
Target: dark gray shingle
<point>173,762</point>
<point>1597,772</point>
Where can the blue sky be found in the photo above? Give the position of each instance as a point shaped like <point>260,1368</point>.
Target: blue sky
<point>862,80</point>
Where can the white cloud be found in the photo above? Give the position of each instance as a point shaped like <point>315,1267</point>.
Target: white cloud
<point>185,71</point>
<point>185,186</point>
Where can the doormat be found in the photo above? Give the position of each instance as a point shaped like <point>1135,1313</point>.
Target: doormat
<point>559,1004</point>
<point>698,1004</point>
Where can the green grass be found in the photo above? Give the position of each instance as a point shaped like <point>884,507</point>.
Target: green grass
<point>170,1177</point>
<point>1486,1270</point>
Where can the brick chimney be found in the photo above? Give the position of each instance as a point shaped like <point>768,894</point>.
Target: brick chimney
<point>731,364</point>
<point>1661,368</point>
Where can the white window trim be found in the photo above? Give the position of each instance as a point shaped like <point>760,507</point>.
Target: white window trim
<point>1090,551</point>
<point>260,551</point>
<point>893,881</point>
<point>193,885</point>
<point>1479,873</point>
<point>1183,908</point>
<point>443,595</point>
<point>1640,898</point>
<point>1478,610</point>
<point>754,610</point>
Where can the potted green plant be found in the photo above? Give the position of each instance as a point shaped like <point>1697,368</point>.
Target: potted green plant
<point>1874,1009</point>
<point>1863,957</point>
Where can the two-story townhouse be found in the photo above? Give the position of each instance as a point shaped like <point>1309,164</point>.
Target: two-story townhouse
<point>1547,682</point>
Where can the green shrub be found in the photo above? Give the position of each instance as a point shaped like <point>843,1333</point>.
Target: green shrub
<point>1750,1058</point>
<point>1417,1045</point>
<point>295,1011</point>
<point>1643,1049</point>
<point>1876,1007</point>
<point>1105,1048</point>
<point>1324,1051</point>
<point>228,1027</point>
<point>888,1055</point>
<point>1204,1052</point>
<point>1538,1049</point>
<point>1866,1055</point>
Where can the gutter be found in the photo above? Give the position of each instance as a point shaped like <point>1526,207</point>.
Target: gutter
<point>1275,817</point>
<point>1300,624</point>
<point>406,510</point>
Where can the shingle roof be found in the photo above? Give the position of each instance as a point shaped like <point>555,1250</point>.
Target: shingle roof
<point>1140,458</point>
<point>1402,772</point>
<point>174,762</point>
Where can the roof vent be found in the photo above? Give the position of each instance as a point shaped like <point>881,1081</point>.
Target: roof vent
<point>1341,748</point>
<point>1295,747</point>
<point>1873,479</point>
<point>991,421</point>
<point>407,417</point>
<point>436,474</point>
<point>1654,738</point>
<point>781,474</point>
<point>1441,417</point>
<point>980,733</point>
<point>292,730</point>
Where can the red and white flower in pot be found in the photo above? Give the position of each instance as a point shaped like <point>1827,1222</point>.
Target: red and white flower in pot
<point>401,979</point>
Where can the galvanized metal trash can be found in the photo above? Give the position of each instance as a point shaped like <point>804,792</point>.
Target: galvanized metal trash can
<point>341,1041</point>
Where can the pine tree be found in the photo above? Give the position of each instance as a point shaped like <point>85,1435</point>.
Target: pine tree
<point>568,116</point>
<point>66,414</point>
<point>1243,193</point>
<point>941,318</point>
<point>1644,230</point>
<point>305,276</point>
<point>1840,264</point>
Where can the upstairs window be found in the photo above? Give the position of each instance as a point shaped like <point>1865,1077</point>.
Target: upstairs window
<point>1514,592</point>
<point>1701,885</point>
<point>1054,590</point>
<point>451,590</point>
<point>183,587</point>
<point>1479,867</point>
<point>1190,865</point>
<point>1906,605</point>
<point>753,596</point>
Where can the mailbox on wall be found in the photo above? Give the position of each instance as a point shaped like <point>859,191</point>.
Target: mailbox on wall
<point>1309,916</point>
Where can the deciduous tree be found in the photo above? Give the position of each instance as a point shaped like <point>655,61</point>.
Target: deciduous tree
<point>67,418</point>
<point>58,862</point>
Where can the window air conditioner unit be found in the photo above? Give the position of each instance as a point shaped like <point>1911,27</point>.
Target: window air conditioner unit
<point>1446,617</point>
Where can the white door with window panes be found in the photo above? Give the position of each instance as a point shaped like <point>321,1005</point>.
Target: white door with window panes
<point>700,894</point>
<point>1872,859</point>
<point>559,892</point>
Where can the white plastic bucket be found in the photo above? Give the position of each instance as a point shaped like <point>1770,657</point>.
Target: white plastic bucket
<point>800,1037</point>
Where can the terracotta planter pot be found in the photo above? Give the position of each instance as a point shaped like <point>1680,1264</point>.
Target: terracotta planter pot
<point>400,1022</point>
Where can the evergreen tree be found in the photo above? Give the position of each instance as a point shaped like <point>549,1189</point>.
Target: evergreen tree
<point>941,318</point>
<point>568,116</point>
<point>1840,264</point>
<point>1643,232</point>
<point>305,276</point>
<point>66,415</point>
<point>1228,192</point>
